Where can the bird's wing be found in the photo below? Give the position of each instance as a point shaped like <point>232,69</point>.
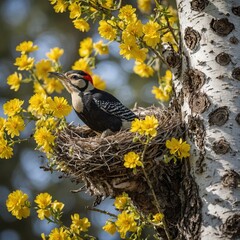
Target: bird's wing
<point>115,108</point>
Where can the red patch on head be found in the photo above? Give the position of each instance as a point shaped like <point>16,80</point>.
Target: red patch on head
<point>88,78</point>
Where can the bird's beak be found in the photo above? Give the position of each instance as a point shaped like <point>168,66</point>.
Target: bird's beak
<point>58,75</point>
<point>61,76</point>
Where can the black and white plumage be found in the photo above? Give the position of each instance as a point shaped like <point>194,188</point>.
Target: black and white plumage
<point>98,109</point>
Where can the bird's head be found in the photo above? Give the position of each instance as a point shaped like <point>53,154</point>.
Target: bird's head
<point>74,80</point>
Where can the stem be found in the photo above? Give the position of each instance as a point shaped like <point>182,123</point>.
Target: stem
<point>159,71</point>
<point>157,3</point>
<point>101,211</point>
<point>54,220</point>
<point>171,30</point>
<point>159,56</point>
<point>165,227</point>
<point>35,78</point>
<point>148,180</point>
<point>19,140</point>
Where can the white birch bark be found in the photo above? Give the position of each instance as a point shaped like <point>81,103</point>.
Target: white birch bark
<point>210,78</point>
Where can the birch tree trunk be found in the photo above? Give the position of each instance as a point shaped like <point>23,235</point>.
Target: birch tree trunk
<point>210,105</point>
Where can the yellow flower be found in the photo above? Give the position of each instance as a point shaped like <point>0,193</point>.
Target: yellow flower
<point>13,107</point>
<point>2,124</point>
<point>5,150</point>
<point>168,38</point>
<point>151,33</point>
<point>184,150</point>
<point>49,123</point>
<point>121,25</point>
<point>127,13</point>
<point>100,48</point>
<point>144,6</point>
<point>43,200</point>
<point>58,234</point>
<point>149,126</point>
<point>92,9</point>
<point>55,54</point>
<point>121,201</point>
<point>43,213</point>
<point>81,25</point>
<point>132,160</point>
<point>86,47</point>
<point>53,84</point>
<point>14,125</point>
<point>43,236</point>
<point>14,81</point>
<point>174,17</point>
<point>125,223</point>
<point>79,225</point>
<point>44,139</point>
<point>57,206</point>
<point>53,1</point>
<point>75,10</point>
<point>173,145</point>
<point>134,29</point>
<point>143,70</point>
<point>24,62</point>
<point>81,64</point>
<point>58,106</point>
<point>107,31</point>
<point>163,94</point>
<point>131,50</point>
<point>38,88</point>
<point>168,89</point>
<point>157,218</point>
<point>109,227</point>
<point>136,126</point>
<point>167,78</point>
<point>26,47</point>
<point>61,6</point>
<point>178,148</point>
<point>17,203</point>
<point>129,40</point>
<point>98,82</point>
<point>107,4</point>
<point>43,68</point>
<point>37,104</point>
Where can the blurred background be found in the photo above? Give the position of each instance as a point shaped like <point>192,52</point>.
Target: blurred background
<point>36,20</point>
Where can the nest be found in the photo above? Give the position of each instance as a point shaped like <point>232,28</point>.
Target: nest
<point>98,162</point>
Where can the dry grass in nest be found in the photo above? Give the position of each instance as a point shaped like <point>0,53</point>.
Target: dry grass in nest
<point>98,162</point>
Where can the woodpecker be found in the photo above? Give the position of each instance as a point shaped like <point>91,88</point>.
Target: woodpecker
<point>99,110</point>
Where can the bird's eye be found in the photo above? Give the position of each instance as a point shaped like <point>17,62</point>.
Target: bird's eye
<point>75,77</point>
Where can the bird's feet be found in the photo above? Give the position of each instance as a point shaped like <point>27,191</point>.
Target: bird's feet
<point>106,133</point>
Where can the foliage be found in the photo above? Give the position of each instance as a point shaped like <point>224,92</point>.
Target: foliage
<point>142,42</point>
<point>18,204</point>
